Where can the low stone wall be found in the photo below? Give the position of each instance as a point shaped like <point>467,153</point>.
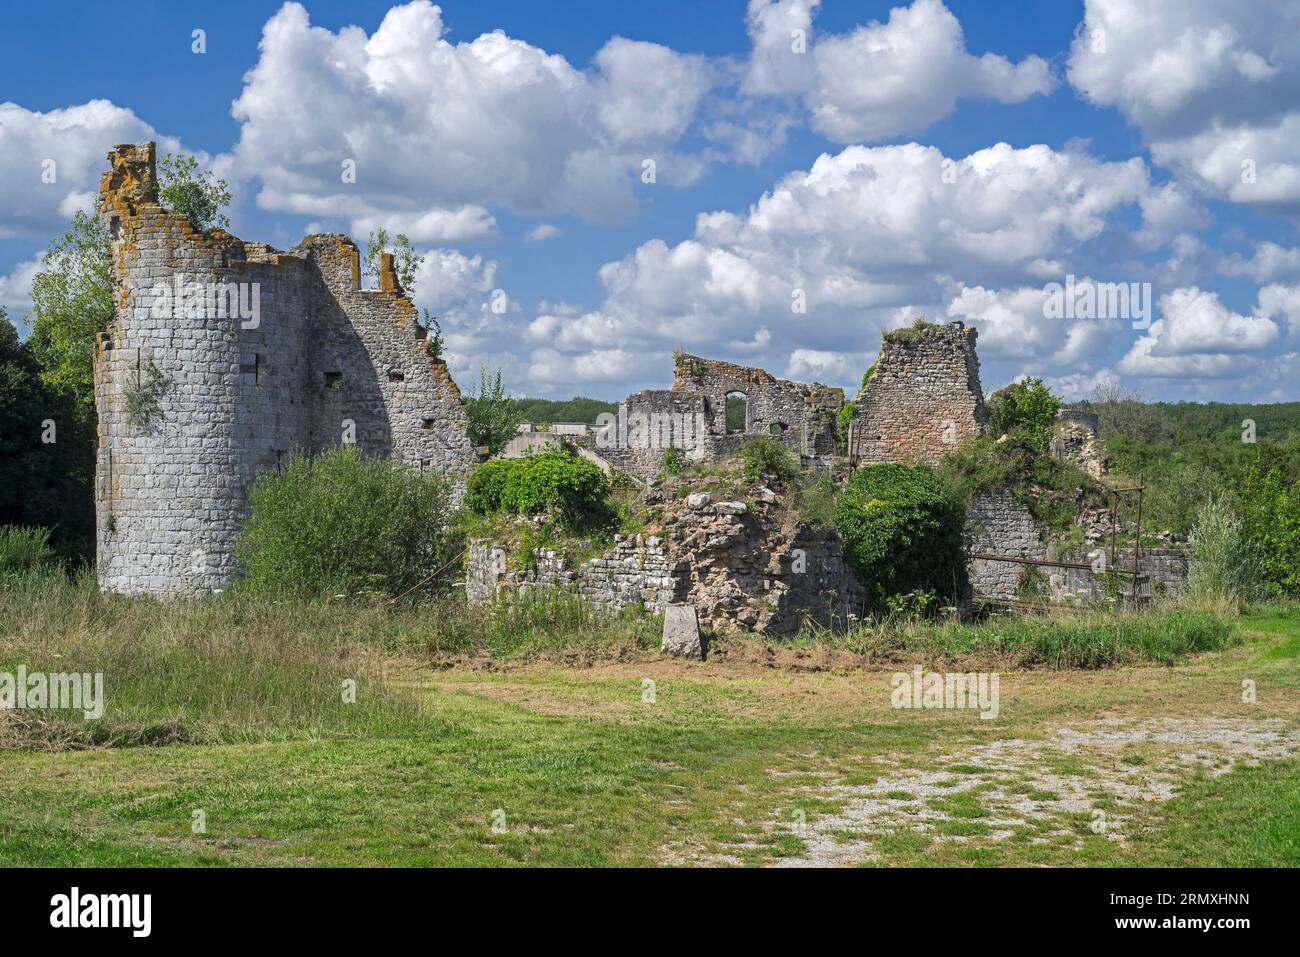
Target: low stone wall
<point>1165,570</point>
<point>635,570</point>
<point>738,566</point>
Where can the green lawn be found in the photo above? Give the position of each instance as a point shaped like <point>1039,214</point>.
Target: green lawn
<point>731,762</point>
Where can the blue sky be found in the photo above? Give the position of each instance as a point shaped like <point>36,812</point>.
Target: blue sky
<point>948,160</point>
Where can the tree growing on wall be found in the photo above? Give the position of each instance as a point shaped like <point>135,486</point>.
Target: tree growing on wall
<point>185,188</point>
<point>405,261</point>
<point>72,294</point>
<point>493,415</point>
<point>1028,407</point>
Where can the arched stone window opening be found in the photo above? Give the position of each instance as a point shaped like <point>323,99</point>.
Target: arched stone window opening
<point>737,412</point>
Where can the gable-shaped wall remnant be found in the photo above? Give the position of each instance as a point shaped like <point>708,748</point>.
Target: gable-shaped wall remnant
<point>922,400</point>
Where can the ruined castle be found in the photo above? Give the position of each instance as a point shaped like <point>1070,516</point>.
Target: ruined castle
<point>222,358</point>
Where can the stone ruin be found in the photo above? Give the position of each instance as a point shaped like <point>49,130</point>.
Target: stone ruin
<point>1075,440</point>
<point>222,358</point>
<point>735,564</point>
<point>692,416</point>
<point>921,400</point>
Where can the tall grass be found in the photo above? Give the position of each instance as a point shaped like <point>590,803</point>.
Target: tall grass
<point>234,668</point>
<point>24,550</point>
<point>239,668</point>
<point>223,669</point>
<point>1077,639</point>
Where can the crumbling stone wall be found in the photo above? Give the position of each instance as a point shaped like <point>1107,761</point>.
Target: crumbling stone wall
<point>646,425</point>
<point>923,399</point>
<point>1161,571</point>
<point>738,566</point>
<point>194,397</point>
<point>1075,440</point>
<point>800,415</point>
<point>635,571</point>
<point>997,524</point>
<point>692,417</point>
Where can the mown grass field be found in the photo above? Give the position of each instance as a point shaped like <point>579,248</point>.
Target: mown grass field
<point>604,754</point>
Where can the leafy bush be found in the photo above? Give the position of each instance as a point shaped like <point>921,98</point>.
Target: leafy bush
<point>1027,406</point>
<point>555,481</point>
<point>24,550</point>
<point>343,522</point>
<point>1225,563</point>
<point>767,458</point>
<point>902,533</point>
<point>1053,490</point>
<point>1267,491</point>
<point>493,416</point>
<point>847,411</point>
<point>672,462</point>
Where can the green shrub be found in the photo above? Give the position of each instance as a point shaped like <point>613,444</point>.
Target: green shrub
<point>487,483</point>
<point>817,502</point>
<point>1053,490</point>
<point>902,533</point>
<point>555,481</point>
<point>1226,564</point>
<point>24,550</point>
<point>343,522</point>
<point>673,463</point>
<point>847,411</point>
<point>1028,406</point>
<point>767,458</point>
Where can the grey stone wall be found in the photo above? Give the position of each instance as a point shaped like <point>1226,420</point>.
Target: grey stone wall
<point>997,524</point>
<point>193,400</point>
<point>803,415</point>
<point>738,567</point>
<point>692,416</point>
<point>635,571</point>
<point>923,400</point>
<point>1165,571</point>
<point>646,425</point>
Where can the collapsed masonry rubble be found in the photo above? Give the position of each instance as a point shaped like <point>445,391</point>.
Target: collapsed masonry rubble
<point>736,563</point>
<point>222,358</point>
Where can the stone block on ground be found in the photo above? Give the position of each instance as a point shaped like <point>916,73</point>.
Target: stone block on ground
<point>682,633</point>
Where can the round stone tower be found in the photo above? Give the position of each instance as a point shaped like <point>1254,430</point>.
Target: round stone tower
<point>199,340</point>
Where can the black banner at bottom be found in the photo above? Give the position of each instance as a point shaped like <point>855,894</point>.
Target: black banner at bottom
<point>336,906</point>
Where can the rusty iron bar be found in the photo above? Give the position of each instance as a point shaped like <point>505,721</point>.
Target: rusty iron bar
<point>1043,561</point>
<point>1137,541</point>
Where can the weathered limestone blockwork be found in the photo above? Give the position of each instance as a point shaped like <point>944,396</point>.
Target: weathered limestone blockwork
<point>1162,571</point>
<point>636,570</point>
<point>736,566</point>
<point>997,524</point>
<point>320,362</point>
<point>692,417</point>
<point>801,415</point>
<point>1075,440</point>
<point>923,400</point>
